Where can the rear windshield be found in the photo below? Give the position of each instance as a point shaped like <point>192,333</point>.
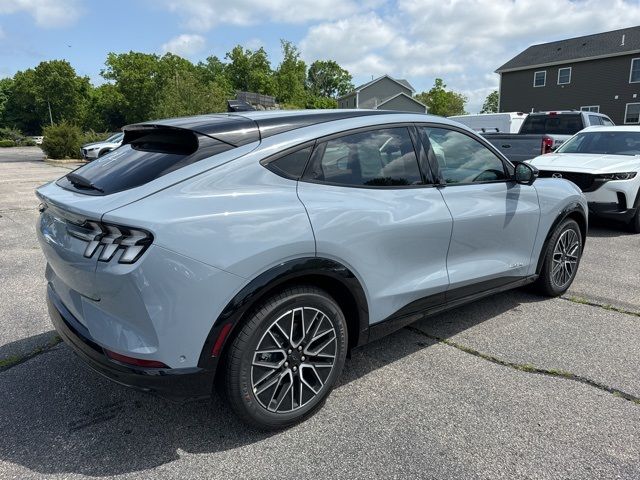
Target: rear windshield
<point>563,124</point>
<point>611,143</point>
<point>146,156</point>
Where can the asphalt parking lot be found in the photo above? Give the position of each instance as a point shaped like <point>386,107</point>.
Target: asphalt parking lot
<point>514,386</point>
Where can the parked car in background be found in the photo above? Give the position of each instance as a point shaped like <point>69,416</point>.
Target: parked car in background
<point>38,139</point>
<point>506,122</point>
<point>94,150</point>
<point>543,132</point>
<point>605,163</point>
<point>253,250</point>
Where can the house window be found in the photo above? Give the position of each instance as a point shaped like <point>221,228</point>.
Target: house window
<point>634,75</point>
<point>540,78</point>
<point>591,108</point>
<point>632,113</point>
<point>564,76</point>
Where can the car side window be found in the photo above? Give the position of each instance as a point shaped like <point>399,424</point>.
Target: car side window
<point>384,158</point>
<point>463,159</point>
<point>607,122</point>
<point>595,120</point>
<point>292,164</point>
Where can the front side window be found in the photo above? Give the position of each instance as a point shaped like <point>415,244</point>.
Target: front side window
<point>564,76</point>
<point>632,113</point>
<point>383,158</point>
<point>540,78</point>
<point>634,75</point>
<point>463,159</point>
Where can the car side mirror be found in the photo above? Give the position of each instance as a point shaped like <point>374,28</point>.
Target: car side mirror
<point>525,173</point>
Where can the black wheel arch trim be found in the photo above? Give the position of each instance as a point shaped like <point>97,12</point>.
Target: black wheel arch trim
<point>574,207</point>
<point>274,278</point>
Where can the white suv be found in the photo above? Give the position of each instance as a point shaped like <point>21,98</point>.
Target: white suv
<point>605,163</point>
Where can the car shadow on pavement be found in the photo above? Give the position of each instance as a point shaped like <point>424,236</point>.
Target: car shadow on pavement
<point>58,417</point>
<point>603,229</point>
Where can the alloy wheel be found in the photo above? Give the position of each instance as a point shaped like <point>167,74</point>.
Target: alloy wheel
<point>293,359</point>
<point>565,258</point>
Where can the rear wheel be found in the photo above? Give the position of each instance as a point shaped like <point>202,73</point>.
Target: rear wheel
<point>561,260</point>
<point>286,358</point>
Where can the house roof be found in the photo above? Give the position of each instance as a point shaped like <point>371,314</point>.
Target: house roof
<point>405,95</point>
<point>400,81</point>
<point>617,42</point>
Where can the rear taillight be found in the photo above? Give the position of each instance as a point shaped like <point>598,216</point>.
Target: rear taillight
<point>547,145</point>
<point>137,362</point>
<point>129,243</point>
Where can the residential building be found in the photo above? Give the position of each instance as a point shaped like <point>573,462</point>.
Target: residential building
<point>598,73</point>
<point>383,93</point>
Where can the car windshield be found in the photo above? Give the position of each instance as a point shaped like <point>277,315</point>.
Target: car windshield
<point>563,124</point>
<point>611,143</point>
<point>115,138</point>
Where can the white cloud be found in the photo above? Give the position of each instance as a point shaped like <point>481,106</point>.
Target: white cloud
<point>203,15</point>
<point>46,13</point>
<point>185,45</point>
<point>462,42</point>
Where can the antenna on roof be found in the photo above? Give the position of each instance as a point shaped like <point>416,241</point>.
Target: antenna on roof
<point>622,44</point>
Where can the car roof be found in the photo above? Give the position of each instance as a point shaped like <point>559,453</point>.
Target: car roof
<point>241,128</point>
<point>614,128</point>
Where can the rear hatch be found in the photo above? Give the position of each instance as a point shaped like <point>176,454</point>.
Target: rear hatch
<point>152,157</point>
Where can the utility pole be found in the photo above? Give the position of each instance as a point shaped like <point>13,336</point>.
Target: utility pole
<point>50,115</point>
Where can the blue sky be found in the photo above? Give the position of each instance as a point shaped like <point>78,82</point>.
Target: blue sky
<point>462,42</point>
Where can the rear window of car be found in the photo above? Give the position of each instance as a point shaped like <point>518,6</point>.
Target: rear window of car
<point>562,124</point>
<point>145,156</point>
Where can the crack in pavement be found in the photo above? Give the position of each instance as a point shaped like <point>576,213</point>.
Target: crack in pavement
<point>524,367</point>
<point>15,360</point>
<point>605,306</point>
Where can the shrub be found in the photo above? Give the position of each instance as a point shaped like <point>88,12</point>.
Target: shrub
<point>7,143</point>
<point>15,136</point>
<point>91,136</point>
<point>62,140</point>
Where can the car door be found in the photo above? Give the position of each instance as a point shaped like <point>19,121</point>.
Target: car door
<point>495,220</point>
<point>372,208</point>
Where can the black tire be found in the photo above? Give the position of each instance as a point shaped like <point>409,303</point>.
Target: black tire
<point>554,283</point>
<point>243,370</point>
<point>103,152</point>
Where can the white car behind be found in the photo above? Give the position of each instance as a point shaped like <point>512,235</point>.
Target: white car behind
<point>605,163</point>
<point>91,151</point>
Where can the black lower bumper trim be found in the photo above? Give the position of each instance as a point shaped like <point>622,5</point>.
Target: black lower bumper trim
<point>612,211</point>
<point>174,384</point>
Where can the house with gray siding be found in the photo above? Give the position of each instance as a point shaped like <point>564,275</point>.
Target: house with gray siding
<point>598,73</point>
<point>384,93</point>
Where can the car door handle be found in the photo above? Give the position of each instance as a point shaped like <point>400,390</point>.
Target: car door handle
<point>506,145</point>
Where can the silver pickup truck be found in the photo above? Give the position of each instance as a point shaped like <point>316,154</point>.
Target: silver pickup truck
<point>543,132</point>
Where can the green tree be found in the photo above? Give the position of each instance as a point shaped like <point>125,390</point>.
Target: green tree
<point>6,86</point>
<point>441,101</point>
<point>250,70</point>
<point>137,77</point>
<point>105,109</point>
<point>328,79</point>
<point>290,76</point>
<point>490,104</point>
<point>188,95</point>
<point>214,70</point>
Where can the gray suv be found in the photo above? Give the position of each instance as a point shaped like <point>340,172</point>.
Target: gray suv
<point>250,252</point>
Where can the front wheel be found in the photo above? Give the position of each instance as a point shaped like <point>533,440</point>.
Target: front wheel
<point>285,360</point>
<point>561,260</point>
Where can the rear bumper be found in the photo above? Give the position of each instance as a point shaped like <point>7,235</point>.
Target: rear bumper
<point>612,211</point>
<point>174,384</point>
